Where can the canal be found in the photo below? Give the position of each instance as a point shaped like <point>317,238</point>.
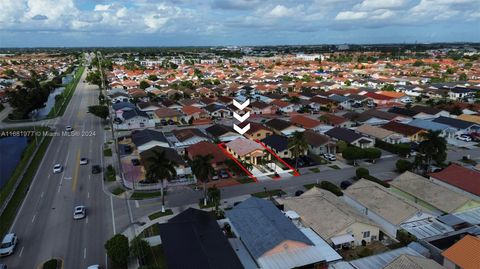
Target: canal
<point>11,149</point>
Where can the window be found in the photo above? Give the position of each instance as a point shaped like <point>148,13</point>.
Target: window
<point>366,234</point>
<point>258,134</point>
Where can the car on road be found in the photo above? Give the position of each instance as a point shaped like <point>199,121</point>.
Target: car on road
<point>223,174</point>
<point>464,137</point>
<point>345,184</point>
<point>83,161</point>
<point>8,244</point>
<point>96,169</point>
<point>330,157</point>
<point>79,212</point>
<point>96,266</point>
<point>57,168</point>
<point>68,128</point>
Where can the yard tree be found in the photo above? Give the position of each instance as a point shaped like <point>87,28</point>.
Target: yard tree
<point>434,148</point>
<point>202,169</point>
<point>403,165</point>
<point>144,84</point>
<point>353,154</point>
<point>160,168</point>
<point>100,111</point>
<point>153,78</point>
<point>139,248</point>
<point>298,145</point>
<point>341,146</point>
<point>372,154</point>
<point>362,172</point>
<point>117,250</point>
<point>463,77</point>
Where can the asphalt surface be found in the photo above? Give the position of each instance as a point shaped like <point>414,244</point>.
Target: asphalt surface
<point>45,225</point>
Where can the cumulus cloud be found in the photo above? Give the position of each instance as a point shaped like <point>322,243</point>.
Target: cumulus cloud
<point>39,17</point>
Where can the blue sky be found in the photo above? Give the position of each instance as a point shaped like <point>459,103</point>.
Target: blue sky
<point>58,23</point>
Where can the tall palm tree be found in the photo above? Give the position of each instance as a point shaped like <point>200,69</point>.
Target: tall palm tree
<point>298,145</point>
<point>160,168</point>
<point>434,148</point>
<point>202,169</point>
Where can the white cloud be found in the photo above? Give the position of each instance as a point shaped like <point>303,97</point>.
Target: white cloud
<point>351,15</point>
<point>280,11</point>
<point>380,4</point>
<point>102,7</point>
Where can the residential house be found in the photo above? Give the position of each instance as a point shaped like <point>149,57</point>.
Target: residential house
<point>318,103</point>
<point>261,108</point>
<point>188,136</point>
<point>445,130</point>
<point>381,134</point>
<point>279,145</point>
<point>343,228</point>
<point>171,104</point>
<point>222,133</point>
<point>257,131</point>
<point>194,113</point>
<point>460,125</point>
<point>283,106</point>
<point>426,112</point>
<point>459,179</point>
<point>165,114</point>
<point>134,119</point>
<point>350,137</point>
<point>246,150</point>
<point>280,126</point>
<point>147,138</point>
<point>463,254</point>
<point>218,111</point>
<point>405,112</point>
<point>148,106</point>
<point>204,148</point>
<point>335,121</point>
<point>431,195</point>
<point>459,93</point>
<point>191,231</point>
<point>121,107</point>
<point>470,118</point>
<point>306,122</point>
<point>318,143</point>
<point>273,241</point>
<point>181,167</point>
<point>411,132</point>
<point>383,207</point>
<point>380,99</point>
<point>409,261</point>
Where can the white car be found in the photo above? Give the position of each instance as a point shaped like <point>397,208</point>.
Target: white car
<point>68,128</point>
<point>464,137</point>
<point>79,212</point>
<point>57,168</point>
<point>330,157</point>
<point>8,244</point>
<point>96,266</point>
<point>83,161</point>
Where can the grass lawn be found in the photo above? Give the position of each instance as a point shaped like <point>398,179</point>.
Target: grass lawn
<point>244,180</point>
<point>146,195</point>
<point>334,166</point>
<point>150,231</point>
<point>315,170</point>
<point>110,174</point>
<point>156,258</point>
<point>11,210</point>
<point>107,152</point>
<point>268,193</point>
<point>159,214</point>
<point>118,190</point>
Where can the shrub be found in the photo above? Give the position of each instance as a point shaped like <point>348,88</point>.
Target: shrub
<point>403,165</point>
<point>329,186</point>
<point>118,250</point>
<point>372,153</point>
<point>402,149</point>
<point>365,252</point>
<point>341,146</point>
<point>353,154</point>
<point>362,172</point>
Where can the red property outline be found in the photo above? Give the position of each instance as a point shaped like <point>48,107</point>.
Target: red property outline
<point>295,172</point>
<point>222,146</point>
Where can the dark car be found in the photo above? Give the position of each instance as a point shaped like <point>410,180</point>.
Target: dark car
<point>171,122</point>
<point>96,169</point>
<point>223,174</point>
<point>345,184</point>
<point>164,122</point>
<point>298,193</point>
<point>135,162</point>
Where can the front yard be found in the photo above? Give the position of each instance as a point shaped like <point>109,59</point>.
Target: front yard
<point>363,251</point>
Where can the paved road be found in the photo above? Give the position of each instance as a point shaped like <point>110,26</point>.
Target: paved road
<point>45,224</point>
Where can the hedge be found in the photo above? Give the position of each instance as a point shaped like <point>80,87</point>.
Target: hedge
<point>329,186</point>
<point>401,149</point>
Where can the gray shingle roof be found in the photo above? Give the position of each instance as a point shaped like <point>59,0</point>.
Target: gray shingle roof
<point>144,136</point>
<point>261,226</point>
<point>343,134</point>
<point>456,123</point>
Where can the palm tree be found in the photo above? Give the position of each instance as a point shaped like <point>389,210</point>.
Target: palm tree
<point>160,168</point>
<point>298,145</point>
<point>434,148</point>
<point>202,169</point>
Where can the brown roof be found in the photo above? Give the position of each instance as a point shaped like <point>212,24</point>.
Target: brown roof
<point>167,112</point>
<point>315,139</point>
<point>465,253</point>
<point>401,128</point>
<point>334,119</point>
<point>205,148</point>
<point>304,121</point>
<point>187,133</point>
<point>190,110</point>
<point>460,177</point>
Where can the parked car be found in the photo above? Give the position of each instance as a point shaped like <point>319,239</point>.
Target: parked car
<point>83,161</point>
<point>79,212</point>
<point>224,174</point>
<point>298,193</point>
<point>96,266</point>
<point>171,122</point>
<point>345,184</point>
<point>68,128</point>
<point>8,244</point>
<point>57,168</point>
<point>329,157</point>
<point>96,169</point>
<point>164,122</point>
<point>464,137</point>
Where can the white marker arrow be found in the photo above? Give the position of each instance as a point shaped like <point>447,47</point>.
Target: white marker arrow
<point>240,118</point>
<point>241,106</point>
<point>241,130</point>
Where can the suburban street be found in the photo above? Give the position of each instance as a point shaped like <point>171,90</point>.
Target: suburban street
<point>45,225</point>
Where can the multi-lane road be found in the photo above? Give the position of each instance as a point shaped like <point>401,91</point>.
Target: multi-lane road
<point>44,224</point>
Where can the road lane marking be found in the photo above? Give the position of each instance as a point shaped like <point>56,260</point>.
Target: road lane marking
<point>84,253</point>
<point>137,205</point>
<point>58,189</point>
<point>21,252</point>
<point>34,216</point>
<point>41,195</point>
<point>86,220</point>
<point>88,195</point>
<point>113,216</point>
<point>75,175</point>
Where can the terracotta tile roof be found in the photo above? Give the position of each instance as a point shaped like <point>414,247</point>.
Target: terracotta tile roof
<point>460,177</point>
<point>333,119</point>
<point>190,110</point>
<point>167,112</point>
<point>205,148</point>
<point>280,103</point>
<point>401,128</point>
<point>465,253</point>
<point>377,96</point>
<point>392,94</point>
<point>305,122</point>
